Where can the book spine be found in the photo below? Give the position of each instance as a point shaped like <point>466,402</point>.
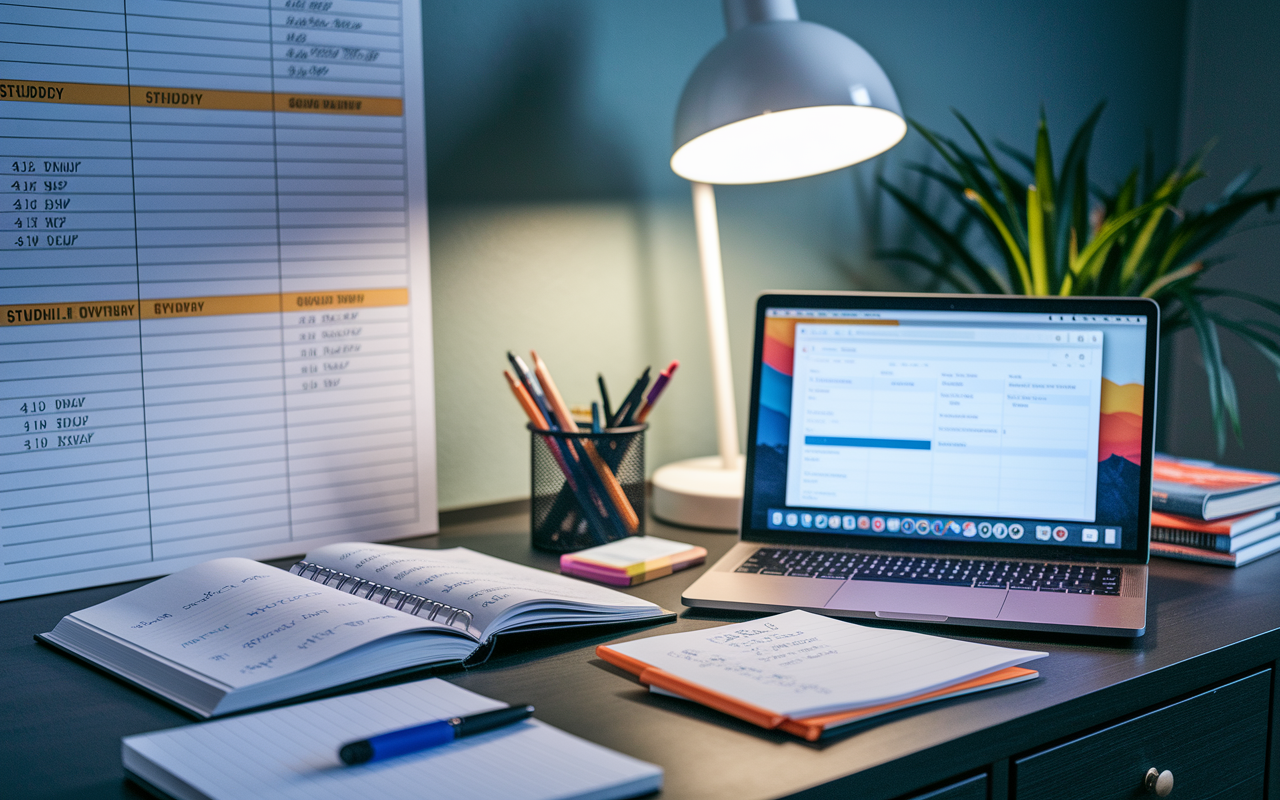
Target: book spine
<point>1172,498</point>
<point>414,604</point>
<point>1192,554</point>
<point>1199,539</point>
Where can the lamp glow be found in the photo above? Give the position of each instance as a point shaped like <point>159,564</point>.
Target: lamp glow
<point>783,145</point>
<point>778,98</point>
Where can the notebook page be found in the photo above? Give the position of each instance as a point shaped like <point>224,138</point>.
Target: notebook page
<point>802,664</point>
<point>240,622</point>
<point>291,753</point>
<point>485,586</point>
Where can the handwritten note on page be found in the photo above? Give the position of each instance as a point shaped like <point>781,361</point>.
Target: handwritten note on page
<point>801,664</point>
<point>240,622</point>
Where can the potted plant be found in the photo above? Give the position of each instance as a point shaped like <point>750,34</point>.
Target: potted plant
<point>1055,233</point>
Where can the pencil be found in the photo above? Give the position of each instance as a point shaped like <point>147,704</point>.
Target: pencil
<point>535,416</point>
<point>611,485</point>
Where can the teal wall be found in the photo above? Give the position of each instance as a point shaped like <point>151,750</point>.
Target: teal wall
<point>557,225</point>
<point>1233,97</point>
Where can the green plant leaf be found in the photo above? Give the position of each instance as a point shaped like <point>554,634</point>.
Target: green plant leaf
<point>1165,281</point>
<point>1025,161</point>
<point>1035,243</point>
<point>1072,192</point>
<point>1013,222</point>
<point>1087,264</point>
<point>1269,349</point>
<point>1024,275</point>
<point>937,269</point>
<point>1139,247</point>
<point>1221,393</point>
<point>944,240</point>
<point>1206,291</point>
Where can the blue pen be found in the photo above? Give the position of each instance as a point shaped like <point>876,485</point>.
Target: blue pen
<point>432,734</point>
<point>595,417</point>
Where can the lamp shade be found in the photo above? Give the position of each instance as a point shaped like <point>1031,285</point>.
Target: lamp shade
<point>781,99</point>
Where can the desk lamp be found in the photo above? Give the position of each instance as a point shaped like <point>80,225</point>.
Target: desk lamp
<point>778,98</point>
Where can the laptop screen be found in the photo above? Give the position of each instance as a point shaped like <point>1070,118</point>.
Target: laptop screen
<point>949,424</point>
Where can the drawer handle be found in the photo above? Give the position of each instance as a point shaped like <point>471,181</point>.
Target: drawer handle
<point>1158,783</point>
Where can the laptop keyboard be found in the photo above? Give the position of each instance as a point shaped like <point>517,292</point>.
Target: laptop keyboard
<point>1028,576</point>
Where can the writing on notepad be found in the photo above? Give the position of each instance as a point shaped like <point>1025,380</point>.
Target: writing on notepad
<point>802,664</point>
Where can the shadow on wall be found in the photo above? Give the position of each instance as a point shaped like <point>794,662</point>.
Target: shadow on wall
<point>536,139</point>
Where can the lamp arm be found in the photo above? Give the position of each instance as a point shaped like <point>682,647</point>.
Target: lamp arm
<point>708,230</point>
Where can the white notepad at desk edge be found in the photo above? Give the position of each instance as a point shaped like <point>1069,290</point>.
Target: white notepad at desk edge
<point>292,753</point>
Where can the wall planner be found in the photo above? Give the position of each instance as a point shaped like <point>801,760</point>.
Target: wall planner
<point>215,310</point>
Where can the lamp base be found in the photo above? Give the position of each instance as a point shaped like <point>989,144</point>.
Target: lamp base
<point>699,493</point>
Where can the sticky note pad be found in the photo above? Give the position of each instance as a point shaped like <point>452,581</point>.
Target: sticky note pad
<point>632,560</point>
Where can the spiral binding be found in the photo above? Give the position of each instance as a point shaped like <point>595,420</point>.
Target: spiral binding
<point>414,604</point>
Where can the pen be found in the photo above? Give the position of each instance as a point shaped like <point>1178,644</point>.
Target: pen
<point>594,509</point>
<point>631,403</point>
<point>613,489</point>
<point>658,386</point>
<point>534,389</point>
<point>595,417</point>
<point>604,396</point>
<point>432,734</point>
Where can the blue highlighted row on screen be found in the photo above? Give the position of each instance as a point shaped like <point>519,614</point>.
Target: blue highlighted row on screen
<point>937,526</point>
<point>846,441</point>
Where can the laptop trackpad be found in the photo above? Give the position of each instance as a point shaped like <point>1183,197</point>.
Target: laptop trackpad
<point>939,602</point>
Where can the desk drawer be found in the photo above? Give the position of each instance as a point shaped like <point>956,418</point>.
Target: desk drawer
<point>974,788</point>
<point>1213,743</point>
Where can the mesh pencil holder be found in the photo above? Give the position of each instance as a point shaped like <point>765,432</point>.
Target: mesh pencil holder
<point>587,488</point>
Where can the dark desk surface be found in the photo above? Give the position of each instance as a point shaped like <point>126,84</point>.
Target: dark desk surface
<point>62,721</point>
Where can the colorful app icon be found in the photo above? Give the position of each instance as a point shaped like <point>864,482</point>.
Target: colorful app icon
<point>877,524</point>
<point>1089,535</point>
<point>893,524</point>
<point>820,521</point>
<point>999,530</point>
<point>984,530</point>
<point>806,520</point>
<point>969,529</point>
<point>1016,531</point>
<point>792,520</point>
<point>1060,533</point>
<point>939,527</point>
<point>953,527</point>
<point>908,525</point>
<point>834,521</point>
<point>850,522</point>
<point>776,517</point>
<point>864,522</point>
<point>922,526</point>
<point>1043,532</point>
<point>1109,536</point>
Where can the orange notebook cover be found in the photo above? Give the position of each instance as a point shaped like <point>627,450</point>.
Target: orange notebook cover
<point>811,728</point>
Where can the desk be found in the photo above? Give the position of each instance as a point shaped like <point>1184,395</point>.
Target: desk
<point>63,722</point>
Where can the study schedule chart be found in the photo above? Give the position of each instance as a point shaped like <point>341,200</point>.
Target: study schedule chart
<point>214,289</point>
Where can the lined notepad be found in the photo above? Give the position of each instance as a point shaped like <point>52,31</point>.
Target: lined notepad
<point>291,753</point>
<point>800,664</point>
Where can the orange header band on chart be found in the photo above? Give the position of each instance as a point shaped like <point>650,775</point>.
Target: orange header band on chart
<point>104,94</point>
<point>365,298</point>
<point>88,94</point>
<point>180,307</point>
<point>47,313</point>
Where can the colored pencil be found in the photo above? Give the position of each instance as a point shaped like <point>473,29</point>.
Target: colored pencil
<point>630,521</point>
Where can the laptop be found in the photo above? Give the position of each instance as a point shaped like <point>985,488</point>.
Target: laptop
<point>949,459</point>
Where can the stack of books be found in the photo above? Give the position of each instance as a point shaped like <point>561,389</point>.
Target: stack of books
<point>1203,512</point>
